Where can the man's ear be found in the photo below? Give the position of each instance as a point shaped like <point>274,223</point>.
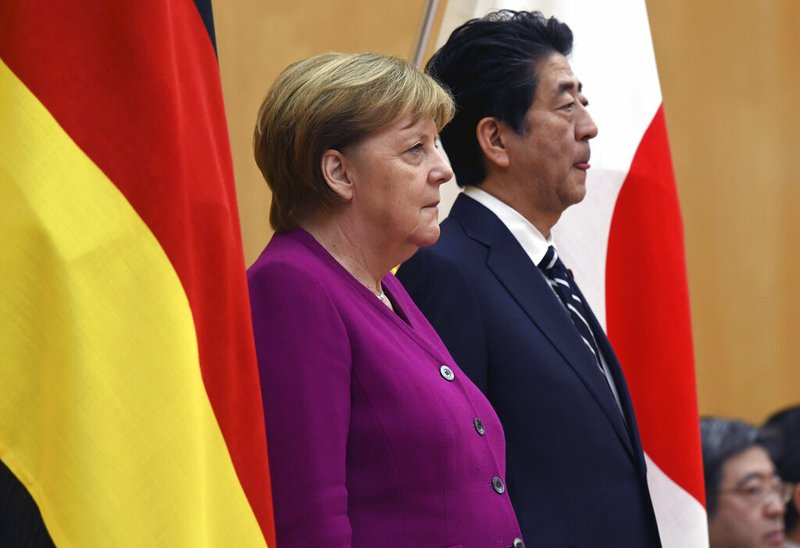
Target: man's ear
<point>334,170</point>
<point>490,133</point>
<point>796,496</point>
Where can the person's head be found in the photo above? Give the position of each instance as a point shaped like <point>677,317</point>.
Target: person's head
<point>520,110</point>
<point>744,495</point>
<point>490,66</point>
<point>786,426</point>
<point>323,109</point>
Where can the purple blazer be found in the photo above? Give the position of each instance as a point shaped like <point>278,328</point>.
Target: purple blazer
<point>375,436</point>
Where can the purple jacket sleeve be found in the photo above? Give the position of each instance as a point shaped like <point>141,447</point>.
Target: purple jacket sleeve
<point>305,364</point>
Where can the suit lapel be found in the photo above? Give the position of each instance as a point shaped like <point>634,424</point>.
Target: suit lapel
<point>622,386</point>
<point>522,279</point>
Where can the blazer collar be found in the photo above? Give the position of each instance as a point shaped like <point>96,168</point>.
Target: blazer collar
<point>407,319</point>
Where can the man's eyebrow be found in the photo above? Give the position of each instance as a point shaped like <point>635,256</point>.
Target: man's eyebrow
<point>568,86</point>
<point>754,476</point>
<point>565,86</point>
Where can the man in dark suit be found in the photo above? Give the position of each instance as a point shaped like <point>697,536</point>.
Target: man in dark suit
<point>505,306</point>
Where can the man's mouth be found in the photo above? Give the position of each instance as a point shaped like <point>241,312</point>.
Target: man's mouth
<point>775,538</point>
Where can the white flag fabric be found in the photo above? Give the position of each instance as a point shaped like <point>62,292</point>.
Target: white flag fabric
<point>624,242</point>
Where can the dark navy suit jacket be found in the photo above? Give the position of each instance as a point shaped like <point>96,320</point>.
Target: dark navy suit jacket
<point>576,471</point>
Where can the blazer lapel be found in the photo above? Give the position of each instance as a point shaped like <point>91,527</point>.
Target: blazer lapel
<point>412,328</point>
<point>522,279</point>
<point>622,386</point>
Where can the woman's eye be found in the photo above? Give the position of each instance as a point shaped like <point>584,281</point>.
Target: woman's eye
<point>416,148</point>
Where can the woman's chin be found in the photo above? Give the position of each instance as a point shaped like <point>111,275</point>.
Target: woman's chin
<point>427,237</point>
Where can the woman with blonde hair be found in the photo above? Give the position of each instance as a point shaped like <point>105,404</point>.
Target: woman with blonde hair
<point>375,436</point>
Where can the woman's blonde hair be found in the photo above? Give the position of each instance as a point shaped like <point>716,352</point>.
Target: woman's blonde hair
<point>331,101</point>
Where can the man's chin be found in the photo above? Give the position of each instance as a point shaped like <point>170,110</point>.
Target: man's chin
<point>577,195</point>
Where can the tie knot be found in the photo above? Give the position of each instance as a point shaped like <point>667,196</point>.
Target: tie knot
<point>551,265</point>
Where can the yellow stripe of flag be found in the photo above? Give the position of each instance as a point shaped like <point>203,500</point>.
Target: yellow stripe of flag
<point>102,397</point>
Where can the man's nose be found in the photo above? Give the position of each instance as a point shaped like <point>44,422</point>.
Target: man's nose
<point>585,129</point>
<point>773,505</point>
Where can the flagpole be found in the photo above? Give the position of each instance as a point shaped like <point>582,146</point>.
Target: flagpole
<point>425,32</point>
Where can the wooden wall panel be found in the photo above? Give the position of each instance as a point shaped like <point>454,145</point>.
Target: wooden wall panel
<point>729,75</point>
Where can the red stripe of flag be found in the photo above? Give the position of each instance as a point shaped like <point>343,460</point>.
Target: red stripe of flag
<point>648,310</point>
<point>136,85</point>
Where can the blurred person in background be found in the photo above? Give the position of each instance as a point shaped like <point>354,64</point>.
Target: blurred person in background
<point>786,426</point>
<point>745,497</point>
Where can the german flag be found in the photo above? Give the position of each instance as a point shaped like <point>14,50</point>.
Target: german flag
<point>130,407</point>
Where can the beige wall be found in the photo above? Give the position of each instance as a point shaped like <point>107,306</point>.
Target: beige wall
<point>729,77</point>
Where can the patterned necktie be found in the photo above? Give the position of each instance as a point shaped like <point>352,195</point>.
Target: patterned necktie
<point>560,280</point>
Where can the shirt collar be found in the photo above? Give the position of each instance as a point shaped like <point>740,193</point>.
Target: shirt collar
<point>531,240</point>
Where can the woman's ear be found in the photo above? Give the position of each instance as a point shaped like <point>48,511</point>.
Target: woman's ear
<point>334,169</point>
<point>490,133</point>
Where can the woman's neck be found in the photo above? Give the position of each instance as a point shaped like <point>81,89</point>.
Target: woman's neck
<point>354,254</point>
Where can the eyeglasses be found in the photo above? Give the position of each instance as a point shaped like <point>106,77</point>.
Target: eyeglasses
<point>757,492</point>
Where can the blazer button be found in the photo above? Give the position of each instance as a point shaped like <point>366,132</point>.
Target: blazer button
<point>447,373</point>
<point>518,543</point>
<point>498,485</point>
<point>479,428</point>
